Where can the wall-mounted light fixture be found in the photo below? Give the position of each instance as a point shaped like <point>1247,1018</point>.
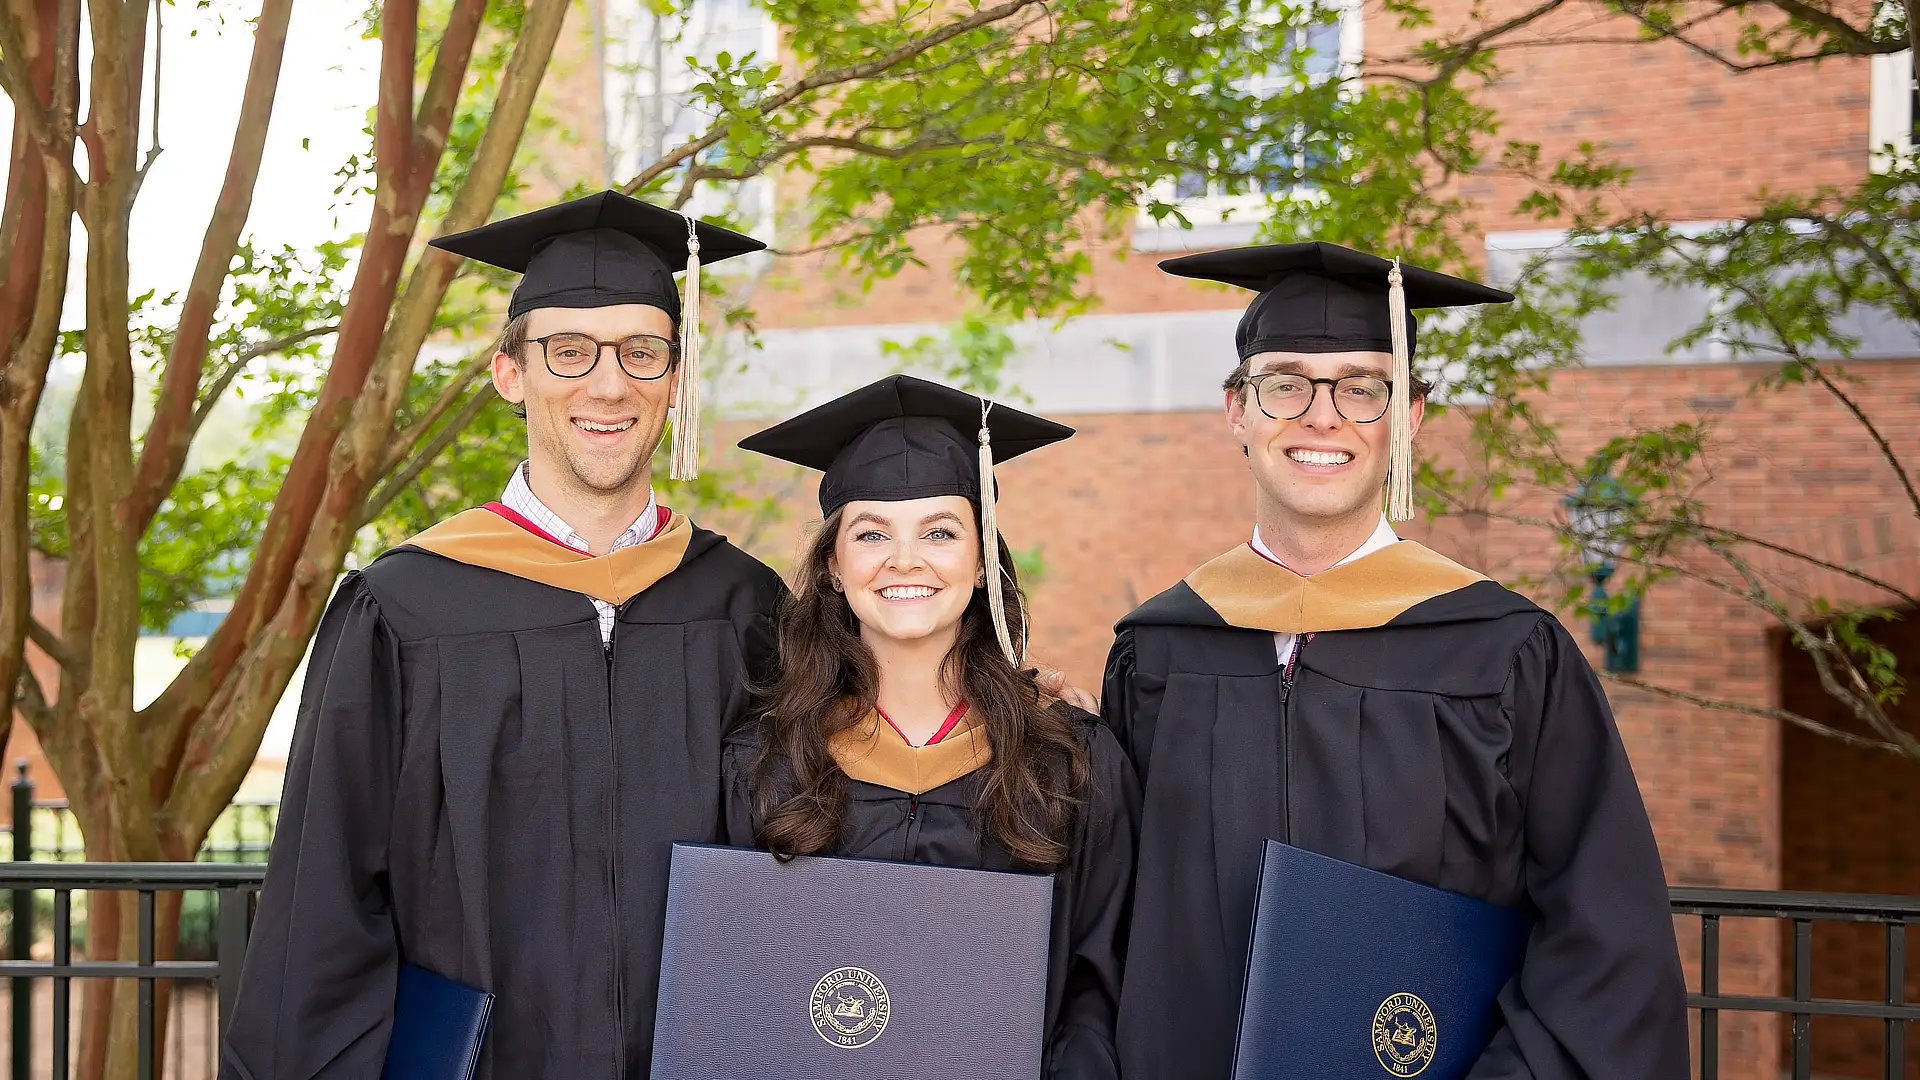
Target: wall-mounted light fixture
<point>1597,515</point>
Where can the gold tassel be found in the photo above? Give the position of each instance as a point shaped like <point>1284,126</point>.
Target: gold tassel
<point>990,542</point>
<point>686,400</point>
<point>1399,405</point>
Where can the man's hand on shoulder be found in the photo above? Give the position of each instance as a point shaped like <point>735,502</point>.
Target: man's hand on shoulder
<point>1054,681</point>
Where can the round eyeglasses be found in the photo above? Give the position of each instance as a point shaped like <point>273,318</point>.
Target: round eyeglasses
<point>573,355</point>
<point>1359,399</point>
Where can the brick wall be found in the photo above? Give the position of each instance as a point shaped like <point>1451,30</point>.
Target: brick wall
<point>1702,140</point>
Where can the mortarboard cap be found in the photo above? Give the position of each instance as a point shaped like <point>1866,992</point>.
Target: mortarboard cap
<point>607,249</point>
<point>1323,298</point>
<point>905,438</point>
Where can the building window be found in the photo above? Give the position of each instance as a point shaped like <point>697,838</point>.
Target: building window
<point>1648,316</point>
<point>647,87</point>
<point>1223,212</point>
<point>1894,109</point>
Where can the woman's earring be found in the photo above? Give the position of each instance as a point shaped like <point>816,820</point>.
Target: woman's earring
<point>982,582</point>
<point>835,579</point>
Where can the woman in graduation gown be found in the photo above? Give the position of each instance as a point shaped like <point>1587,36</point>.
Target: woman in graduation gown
<point>902,725</point>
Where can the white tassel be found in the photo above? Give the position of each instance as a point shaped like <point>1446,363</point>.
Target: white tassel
<point>686,401</point>
<point>990,542</point>
<point>1399,405</point>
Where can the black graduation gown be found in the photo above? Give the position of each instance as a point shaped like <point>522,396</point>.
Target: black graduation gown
<point>1452,735</point>
<point>940,827</point>
<point>480,787</point>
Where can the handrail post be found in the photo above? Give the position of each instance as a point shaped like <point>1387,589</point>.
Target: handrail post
<point>22,937</point>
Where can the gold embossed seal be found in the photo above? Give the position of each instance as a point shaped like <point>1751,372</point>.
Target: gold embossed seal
<point>1404,1035</point>
<point>850,1007</point>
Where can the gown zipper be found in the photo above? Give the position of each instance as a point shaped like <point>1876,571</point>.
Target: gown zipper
<point>1286,737</point>
<point>613,870</point>
<point>913,815</point>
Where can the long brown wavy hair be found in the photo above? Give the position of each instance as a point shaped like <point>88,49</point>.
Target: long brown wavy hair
<point>1031,790</point>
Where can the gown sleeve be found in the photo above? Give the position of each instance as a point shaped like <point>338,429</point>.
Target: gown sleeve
<point>316,993</point>
<point>1102,874</point>
<point>1130,703</point>
<point>1600,993</point>
<point>739,760</point>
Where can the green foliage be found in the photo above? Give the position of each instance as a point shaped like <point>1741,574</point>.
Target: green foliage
<point>972,355</point>
<point>1024,138</point>
<point>1792,283</point>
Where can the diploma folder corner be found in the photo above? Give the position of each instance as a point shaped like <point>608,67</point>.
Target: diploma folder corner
<point>1353,974</point>
<point>839,968</point>
<point>439,1026</point>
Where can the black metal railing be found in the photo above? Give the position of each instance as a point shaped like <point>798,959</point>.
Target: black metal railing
<point>45,840</point>
<point>1894,914</point>
<point>231,890</point>
<point>235,889</point>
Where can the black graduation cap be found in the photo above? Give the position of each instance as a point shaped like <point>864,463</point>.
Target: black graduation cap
<point>597,251</point>
<point>608,249</point>
<point>1323,298</point>
<point>905,438</point>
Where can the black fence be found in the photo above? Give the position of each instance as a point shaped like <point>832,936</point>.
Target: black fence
<point>47,924</point>
<point>1802,912</point>
<point>49,900</point>
<point>232,889</point>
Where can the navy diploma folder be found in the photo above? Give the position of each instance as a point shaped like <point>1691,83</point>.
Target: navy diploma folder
<point>1353,974</point>
<point>438,1027</point>
<point>849,969</point>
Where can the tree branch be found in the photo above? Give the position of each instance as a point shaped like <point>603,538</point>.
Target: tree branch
<point>31,700</point>
<point>835,77</point>
<point>1858,42</point>
<point>398,482</point>
<point>1782,715</point>
<point>1779,331</point>
<point>227,693</point>
<point>402,444</point>
<point>1452,56</point>
<point>210,398</point>
<point>442,95</point>
<point>1781,549</point>
<point>17,80</point>
<point>50,643</point>
<point>1886,448</point>
<point>1909,297</point>
<point>163,453</point>
<point>1859,698</point>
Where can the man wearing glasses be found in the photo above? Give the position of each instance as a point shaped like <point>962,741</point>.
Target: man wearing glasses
<point>509,720</point>
<point>1333,687</point>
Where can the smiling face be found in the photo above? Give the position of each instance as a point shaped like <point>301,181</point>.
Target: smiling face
<point>1318,469</point>
<point>595,434</point>
<point>909,568</point>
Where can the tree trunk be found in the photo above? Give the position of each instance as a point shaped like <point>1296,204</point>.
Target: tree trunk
<point>147,785</point>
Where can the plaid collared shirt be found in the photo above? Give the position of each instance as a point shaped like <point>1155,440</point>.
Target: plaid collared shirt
<point>519,498</point>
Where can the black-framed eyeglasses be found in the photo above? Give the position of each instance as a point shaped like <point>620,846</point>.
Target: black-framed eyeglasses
<point>573,355</point>
<point>1359,399</point>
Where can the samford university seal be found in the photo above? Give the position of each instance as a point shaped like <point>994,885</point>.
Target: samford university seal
<point>1404,1035</point>
<point>850,1007</point>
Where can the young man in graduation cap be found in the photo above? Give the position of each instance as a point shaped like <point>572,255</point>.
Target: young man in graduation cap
<point>508,720</point>
<point>1333,687</point>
